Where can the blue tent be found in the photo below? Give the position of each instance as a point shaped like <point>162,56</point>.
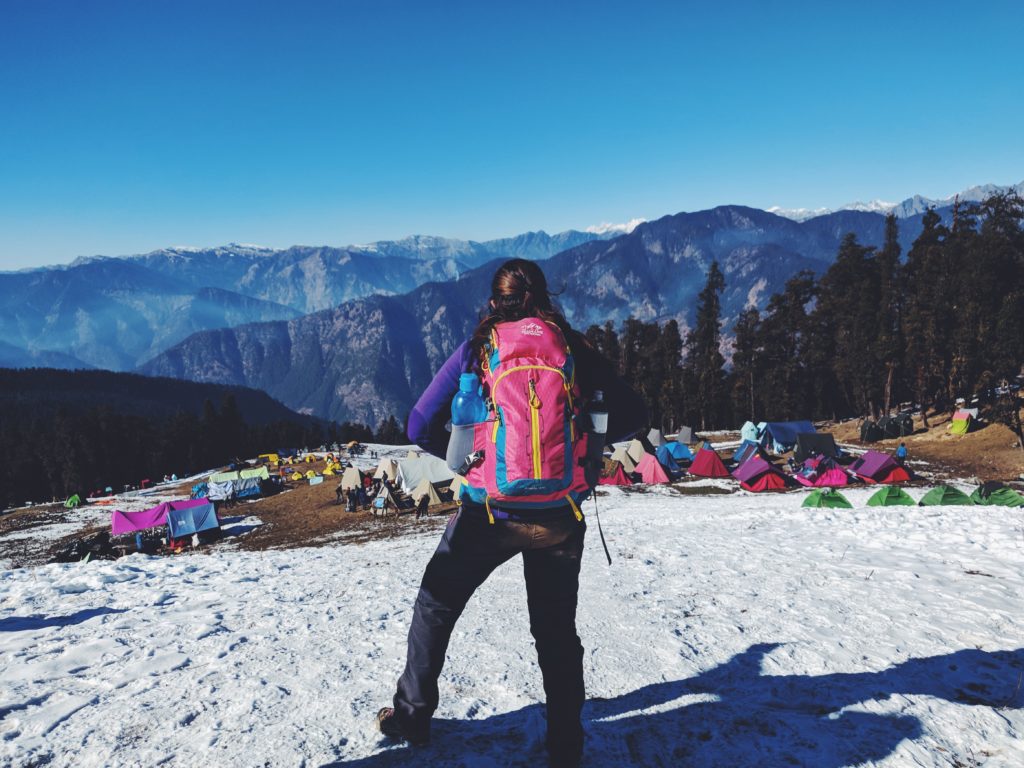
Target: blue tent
<point>780,436</point>
<point>747,449</point>
<point>678,451</point>
<point>185,522</point>
<point>664,457</point>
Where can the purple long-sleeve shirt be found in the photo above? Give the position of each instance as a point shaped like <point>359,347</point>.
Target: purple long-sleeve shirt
<point>626,410</point>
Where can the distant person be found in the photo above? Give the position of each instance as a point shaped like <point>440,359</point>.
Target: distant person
<point>421,507</point>
<point>901,452</point>
<point>480,536</point>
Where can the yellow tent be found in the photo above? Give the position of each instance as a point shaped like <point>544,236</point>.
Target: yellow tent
<point>296,476</point>
<point>311,473</point>
<point>272,458</point>
<point>329,471</point>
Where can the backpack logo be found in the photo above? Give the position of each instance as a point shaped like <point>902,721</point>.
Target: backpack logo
<point>531,329</point>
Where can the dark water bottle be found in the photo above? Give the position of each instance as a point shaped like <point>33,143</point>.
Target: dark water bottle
<point>597,412</point>
<point>468,408</point>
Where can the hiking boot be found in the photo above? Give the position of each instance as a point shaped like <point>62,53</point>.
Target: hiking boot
<point>387,724</point>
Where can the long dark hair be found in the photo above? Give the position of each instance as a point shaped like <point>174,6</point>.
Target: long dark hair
<point>518,289</point>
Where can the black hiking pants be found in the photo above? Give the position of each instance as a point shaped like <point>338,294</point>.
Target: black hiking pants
<point>469,551</point>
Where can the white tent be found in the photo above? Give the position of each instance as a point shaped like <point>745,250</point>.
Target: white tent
<point>412,454</point>
<point>412,471</point>
<point>622,456</point>
<point>685,435</point>
<point>655,437</point>
<point>636,451</point>
<point>352,478</point>
<point>383,501</point>
<point>426,488</point>
<point>387,469</point>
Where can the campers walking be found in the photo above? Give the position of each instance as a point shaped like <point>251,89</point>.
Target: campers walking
<point>522,496</point>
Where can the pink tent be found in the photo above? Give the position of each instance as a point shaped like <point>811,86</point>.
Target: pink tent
<point>831,478</point>
<point>126,522</point>
<point>650,470</point>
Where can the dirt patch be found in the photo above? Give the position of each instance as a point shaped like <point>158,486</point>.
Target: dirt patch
<point>989,453</point>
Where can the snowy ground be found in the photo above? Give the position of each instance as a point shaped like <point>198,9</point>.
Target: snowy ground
<point>731,630</point>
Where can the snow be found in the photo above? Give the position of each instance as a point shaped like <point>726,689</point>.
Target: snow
<point>730,630</point>
<point>607,227</point>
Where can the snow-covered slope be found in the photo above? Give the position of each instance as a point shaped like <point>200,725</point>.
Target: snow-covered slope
<point>730,630</point>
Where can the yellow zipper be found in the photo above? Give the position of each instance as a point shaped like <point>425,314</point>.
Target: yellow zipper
<point>535,429</point>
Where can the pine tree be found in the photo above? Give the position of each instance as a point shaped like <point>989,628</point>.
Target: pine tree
<point>888,341</point>
<point>746,357</point>
<point>705,365</point>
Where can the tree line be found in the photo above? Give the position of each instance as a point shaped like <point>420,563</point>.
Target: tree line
<point>876,329</point>
<point>51,454</point>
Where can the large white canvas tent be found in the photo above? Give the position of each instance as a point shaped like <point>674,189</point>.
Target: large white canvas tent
<point>387,468</point>
<point>426,488</point>
<point>352,478</point>
<point>622,456</point>
<point>412,471</point>
<point>655,437</point>
<point>636,451</point>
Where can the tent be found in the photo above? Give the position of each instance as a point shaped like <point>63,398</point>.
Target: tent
<point>664,457</point>
<point>126,522</point>
<point>614,475</point>
<point>426,488</point>
<point>890,496</point>
<point>387,468</point>
<point>411,454</point>
<point>944,496</point>
<point>831,477</point>
<point>747,449</point>
<point>685,435</point>
<point>311,473</point>
<point>707,464</point>
<point>272,458</point>
<point>749,432</point>
<point>296,475</point>
<point>456,485</point>
<point>220,491</point>
<point>198,515</point>
<point>650,470</point>
<point>260,473</point>
<point>756,474</point>
<point>352,478</point>
<point>248,487</point>
<point>351,444</point>
<point>73,501</point>
<point>815,444</point>
<point>383,500</point>
<point>679,451</point>
<point>622,456</point>
<point>900,425</point>
<point>780,436</point>
<point>412,471</point>
<point>875,467</point>
<point>962,422</point>
<point>826,497</point>
<point>997,495</point>
<point>656,438</point>
<point>870,432</point>
<point>636,450</point>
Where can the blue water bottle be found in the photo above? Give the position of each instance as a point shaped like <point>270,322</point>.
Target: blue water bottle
<point>468,408</point>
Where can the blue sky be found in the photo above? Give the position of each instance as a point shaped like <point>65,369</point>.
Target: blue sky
<point>129,126</point>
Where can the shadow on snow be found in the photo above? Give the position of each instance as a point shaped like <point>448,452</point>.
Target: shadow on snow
<point>22,623</point>
<point>735,715</point>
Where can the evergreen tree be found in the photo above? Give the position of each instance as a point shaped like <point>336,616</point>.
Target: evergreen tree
<point>888,342</point>
<point>746,357</point>
<point>705,366</point>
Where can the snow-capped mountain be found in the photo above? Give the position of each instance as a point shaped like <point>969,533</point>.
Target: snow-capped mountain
<point>912,206</point>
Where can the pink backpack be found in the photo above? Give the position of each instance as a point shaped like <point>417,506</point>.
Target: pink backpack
<point>532,445</point>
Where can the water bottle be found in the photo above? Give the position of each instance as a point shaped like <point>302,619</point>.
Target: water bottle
<point>597,411</point>
<point>468,408</point>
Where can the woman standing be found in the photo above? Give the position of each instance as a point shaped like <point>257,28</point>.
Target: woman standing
<point>490,527</point>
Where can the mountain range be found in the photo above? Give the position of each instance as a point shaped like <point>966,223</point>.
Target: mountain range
<point>355,333</point>
<point>118,312</point>
<point>369,358</point>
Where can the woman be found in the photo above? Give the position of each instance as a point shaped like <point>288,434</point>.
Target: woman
<point>480,537</point>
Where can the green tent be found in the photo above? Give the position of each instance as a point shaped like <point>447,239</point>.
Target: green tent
<point>999,497</point>
<point>826,497</point>
<point>890,496</point>
<point>73,502</point>
<point>944,495</point>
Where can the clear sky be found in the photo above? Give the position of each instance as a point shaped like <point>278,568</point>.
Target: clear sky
<point>129,126</point>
